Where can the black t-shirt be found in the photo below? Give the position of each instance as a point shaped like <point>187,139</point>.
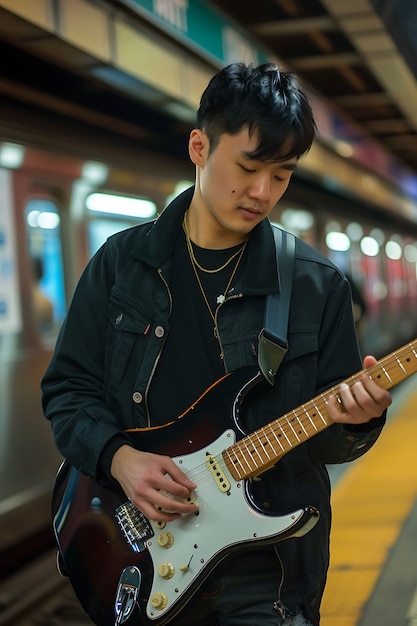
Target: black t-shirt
<point>191,350</point>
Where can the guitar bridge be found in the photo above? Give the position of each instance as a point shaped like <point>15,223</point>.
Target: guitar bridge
<point>134,525</point>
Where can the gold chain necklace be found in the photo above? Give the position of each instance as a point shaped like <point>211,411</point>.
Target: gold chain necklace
<point>193,258</point>
<point>222,297</point>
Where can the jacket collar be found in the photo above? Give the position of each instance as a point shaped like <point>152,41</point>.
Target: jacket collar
<point>260,276</point>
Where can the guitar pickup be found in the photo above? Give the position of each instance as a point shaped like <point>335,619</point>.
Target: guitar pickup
<point>217,473</point>
<point>192,499</point>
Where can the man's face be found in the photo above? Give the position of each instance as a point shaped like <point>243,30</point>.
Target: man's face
<point>237,191</point>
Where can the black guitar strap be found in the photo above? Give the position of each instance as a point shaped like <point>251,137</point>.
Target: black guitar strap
<point>273,344</point>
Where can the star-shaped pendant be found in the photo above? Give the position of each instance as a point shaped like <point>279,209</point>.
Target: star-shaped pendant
<point>220,299</point>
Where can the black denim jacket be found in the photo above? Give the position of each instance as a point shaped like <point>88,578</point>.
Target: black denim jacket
<point>97,383</point>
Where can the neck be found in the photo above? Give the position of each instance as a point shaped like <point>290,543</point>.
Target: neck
<point>207,232</point>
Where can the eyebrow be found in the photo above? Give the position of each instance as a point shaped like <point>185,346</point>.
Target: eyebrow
<point>288,166</point>
<point>285,166</point>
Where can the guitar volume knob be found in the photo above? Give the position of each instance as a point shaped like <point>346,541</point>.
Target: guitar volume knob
<point>166,540</point>
<point>159,601</point>
<point>166,570</point>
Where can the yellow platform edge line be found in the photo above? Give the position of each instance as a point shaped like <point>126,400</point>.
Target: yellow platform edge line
<point>370,504</point>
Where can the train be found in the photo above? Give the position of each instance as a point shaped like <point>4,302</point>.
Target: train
<point>62,196</point>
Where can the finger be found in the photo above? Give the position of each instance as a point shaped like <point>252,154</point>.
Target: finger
<point>155,514</point>
<point>160,472</point>
<point>347,408</point>
<point>178,475</point>
<point>158,507</point>
<point>378,393</point>
<point>362,401</point>
<point>359,403</point>
<point>335,409</point>
<point>368,361</point>
<point>171,488</point>
<point>166,501</point>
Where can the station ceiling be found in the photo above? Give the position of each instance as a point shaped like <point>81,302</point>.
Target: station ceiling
<point>361,55</point>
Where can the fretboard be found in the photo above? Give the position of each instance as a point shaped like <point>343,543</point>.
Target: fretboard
<point>260,450</point>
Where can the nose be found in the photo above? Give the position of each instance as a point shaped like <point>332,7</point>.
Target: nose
<point>260,188</point>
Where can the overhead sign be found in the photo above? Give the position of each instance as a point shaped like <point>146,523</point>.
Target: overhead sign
<point>216,37</point>
<point>201,28</point>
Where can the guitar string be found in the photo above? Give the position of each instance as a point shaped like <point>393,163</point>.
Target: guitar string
<point>201,474</point>
<point>280,426</point>
<point>284,424</point>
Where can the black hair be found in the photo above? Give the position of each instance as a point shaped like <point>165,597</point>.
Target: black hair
<point>270,103</point>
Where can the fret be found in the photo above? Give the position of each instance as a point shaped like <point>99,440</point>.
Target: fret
<point>282,429</point>
<point>311,418</point>
<point>401,365</point>
<point>303,408</point>
<point>256,449</point>
<point>233,463</point>
<point>306,413</point>
<point>244,442</point>
<point>291,427</point>
<point>387,374</point>
<point>325,402</point>
<point>263,444</point>
<point>277,439</point>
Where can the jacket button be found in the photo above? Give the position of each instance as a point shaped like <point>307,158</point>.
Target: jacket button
<point>159,331</point>
<point>119,318</point>
<point>137,397</point>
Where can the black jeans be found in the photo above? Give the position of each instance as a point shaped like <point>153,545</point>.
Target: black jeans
<point>243,591</point>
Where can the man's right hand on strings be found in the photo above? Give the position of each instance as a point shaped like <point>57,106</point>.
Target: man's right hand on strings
<point>153,483</point>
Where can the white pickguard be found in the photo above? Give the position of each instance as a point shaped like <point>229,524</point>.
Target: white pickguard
<point>224,520</point>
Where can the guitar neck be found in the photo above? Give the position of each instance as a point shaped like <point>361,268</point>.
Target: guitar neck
<point>260,450</point>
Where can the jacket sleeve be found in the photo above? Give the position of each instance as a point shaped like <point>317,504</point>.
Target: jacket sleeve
<point>339,358</point>
<point>73,383</point>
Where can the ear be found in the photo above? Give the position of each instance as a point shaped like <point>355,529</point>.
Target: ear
<point>198,147</point>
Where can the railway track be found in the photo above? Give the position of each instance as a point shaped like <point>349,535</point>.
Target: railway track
<point>32,592</point>
<point>36,595</point>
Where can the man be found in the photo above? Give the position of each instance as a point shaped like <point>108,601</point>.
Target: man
<point>163,310</point>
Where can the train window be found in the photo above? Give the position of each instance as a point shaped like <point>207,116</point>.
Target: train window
<point>338,245</point>
<point>410,253</point>
<point>44,241</point>
<point>354,231</point>
<point>110,213</point>
<point>393,250</point>
<point>297,221</point>
<point>369,246</point>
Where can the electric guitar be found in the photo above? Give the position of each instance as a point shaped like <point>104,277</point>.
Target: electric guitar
<point>126,568</point>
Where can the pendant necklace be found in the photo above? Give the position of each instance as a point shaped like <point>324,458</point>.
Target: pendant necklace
<point>196,266</point>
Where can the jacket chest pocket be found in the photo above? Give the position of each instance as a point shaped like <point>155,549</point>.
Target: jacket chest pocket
<point>128,328</point>
<point>295,383</point>
<point>297,376</point>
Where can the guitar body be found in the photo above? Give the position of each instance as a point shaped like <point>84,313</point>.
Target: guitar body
<point>123,566</point>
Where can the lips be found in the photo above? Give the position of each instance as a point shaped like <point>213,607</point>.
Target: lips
<point>250,211</point>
